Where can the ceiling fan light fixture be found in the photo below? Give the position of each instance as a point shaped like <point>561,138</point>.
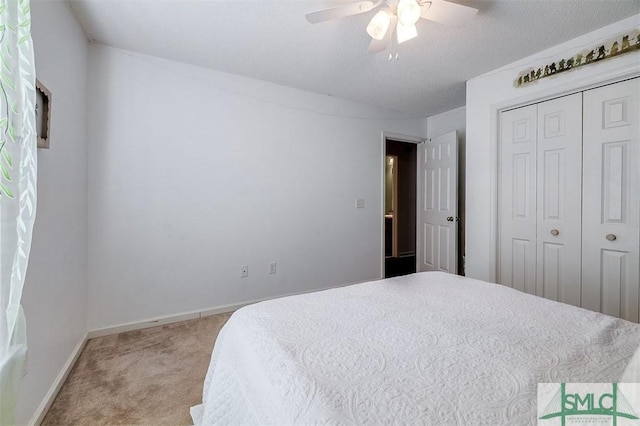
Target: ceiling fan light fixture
<point>408,12</point>
<point>379,24</point>
<point>397,18</point>
<point>406,32</point>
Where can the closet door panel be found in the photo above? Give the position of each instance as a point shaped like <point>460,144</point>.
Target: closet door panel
<point>518,199</point>
<point>611,219</point>
<point>559,176</point>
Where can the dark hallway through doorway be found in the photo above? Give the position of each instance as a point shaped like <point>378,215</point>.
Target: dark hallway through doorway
<point>400,208</point>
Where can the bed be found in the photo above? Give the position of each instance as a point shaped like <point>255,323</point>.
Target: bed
<point>427,348</point>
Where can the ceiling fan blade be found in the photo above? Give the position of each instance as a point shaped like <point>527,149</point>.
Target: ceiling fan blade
<point>377,46</point>
<point>341,11</point>
<point>447,13</point>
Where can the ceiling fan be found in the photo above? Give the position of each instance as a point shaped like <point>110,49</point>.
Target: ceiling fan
<point>397,16</point>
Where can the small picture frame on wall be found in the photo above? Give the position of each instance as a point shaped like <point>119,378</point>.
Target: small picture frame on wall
<point>43,114</point>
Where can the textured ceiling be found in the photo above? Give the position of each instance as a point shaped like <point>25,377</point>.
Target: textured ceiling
<point>271,40</point>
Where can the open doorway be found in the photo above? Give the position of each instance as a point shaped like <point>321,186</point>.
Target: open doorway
<point>400,208</point>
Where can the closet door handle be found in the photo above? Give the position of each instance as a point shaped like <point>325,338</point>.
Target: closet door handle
<point>611,237</point>
<point>555,232</point>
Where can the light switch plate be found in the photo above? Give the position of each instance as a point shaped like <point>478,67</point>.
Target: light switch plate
<point>359,203</point>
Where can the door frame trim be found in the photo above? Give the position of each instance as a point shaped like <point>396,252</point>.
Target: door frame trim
<point>383,140</point>
<point>577,86</point>
<point>394,206</point>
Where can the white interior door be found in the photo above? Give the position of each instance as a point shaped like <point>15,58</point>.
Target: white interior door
<point>438,211</point>
<point>611,224</point>
<point>559,179</point>
<point>517,182</point>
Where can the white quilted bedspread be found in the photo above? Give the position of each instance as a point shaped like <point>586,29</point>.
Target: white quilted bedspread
<point>429,348</point>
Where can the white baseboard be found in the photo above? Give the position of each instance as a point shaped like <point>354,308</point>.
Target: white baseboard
<point>38,416</point>
<point>169,319</point>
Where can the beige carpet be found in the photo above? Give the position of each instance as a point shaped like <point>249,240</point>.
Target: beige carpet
<point>148,377</point>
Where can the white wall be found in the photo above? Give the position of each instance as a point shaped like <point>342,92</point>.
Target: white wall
<point>494,90</point>
<point>438,125</point>
<point>194,172</point>
<point>54,296</point>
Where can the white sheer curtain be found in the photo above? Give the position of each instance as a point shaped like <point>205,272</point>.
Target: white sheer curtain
<point>17,190</point>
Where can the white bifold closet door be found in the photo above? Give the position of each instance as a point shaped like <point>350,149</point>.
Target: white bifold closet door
<point>569,199</point>
<point>518,199</point>
<point>540,198</point>
<point>611,193</point>
<point>559,199</point>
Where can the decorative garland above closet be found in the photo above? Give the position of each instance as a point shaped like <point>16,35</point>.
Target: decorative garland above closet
<point>617,46</point>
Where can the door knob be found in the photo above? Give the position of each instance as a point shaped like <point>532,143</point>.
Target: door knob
<point>554,232</point>
<point>450,219</point>
<point>611,237</point>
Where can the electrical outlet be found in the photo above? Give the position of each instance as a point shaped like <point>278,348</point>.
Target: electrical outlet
<point>244,271</point>
<point>272,267</point>
<point>359,203</point>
